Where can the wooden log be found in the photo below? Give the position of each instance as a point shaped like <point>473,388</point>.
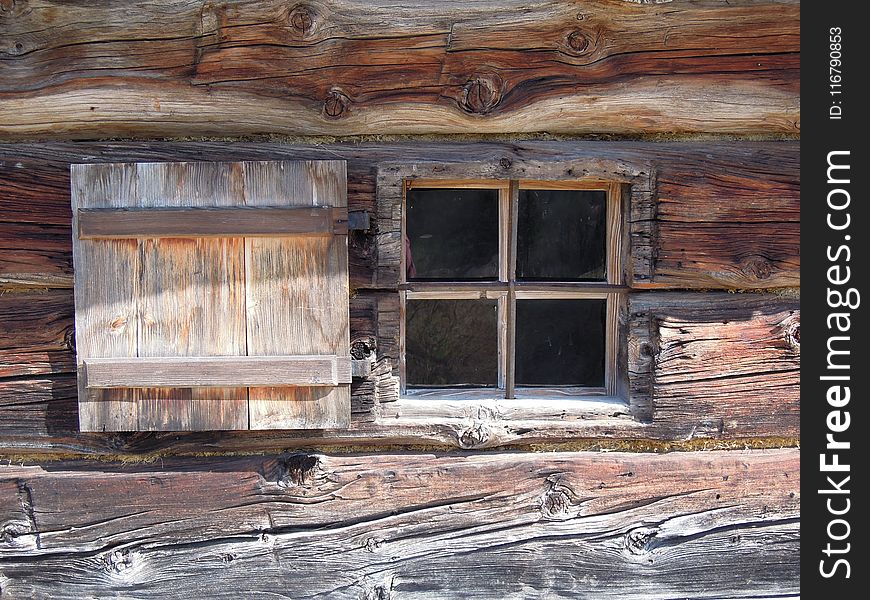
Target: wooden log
<point>36,333</point>
<point>732,361</point>
<point>348,67</point>
<point>692,377</point>
<point>113,224</point>
<point>558,524</point>
<point>726,215</point>
<point>217,371</point>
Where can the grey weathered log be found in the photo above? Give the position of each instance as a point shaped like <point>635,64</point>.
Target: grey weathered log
<point>603,525</point>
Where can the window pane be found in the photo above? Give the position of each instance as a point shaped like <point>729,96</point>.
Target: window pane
<point>560,342</point>
<point>561,235</point>
<point>452,235</point>
<point>451,342</point>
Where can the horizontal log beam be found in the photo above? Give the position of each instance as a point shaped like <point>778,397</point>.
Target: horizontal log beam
<point>727,214</point>
<point>605,525</point>
<point>745,385</point>
<point>126,223</point>
<point>348,67</point>
<point>217,371</point>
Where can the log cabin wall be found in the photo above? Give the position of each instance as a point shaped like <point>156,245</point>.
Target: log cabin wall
<point>704,98</point>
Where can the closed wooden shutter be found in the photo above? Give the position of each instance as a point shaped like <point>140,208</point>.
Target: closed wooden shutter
<point>211,295</point>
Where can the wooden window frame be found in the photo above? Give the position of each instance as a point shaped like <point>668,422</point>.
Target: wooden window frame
<point>506,291</point>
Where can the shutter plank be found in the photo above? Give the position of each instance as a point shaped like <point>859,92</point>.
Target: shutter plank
<point>192,298</point>
<point>106,323</point>
<point>297,295</point>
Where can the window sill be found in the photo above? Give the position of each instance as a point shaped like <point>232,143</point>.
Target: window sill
<point>438,405</point>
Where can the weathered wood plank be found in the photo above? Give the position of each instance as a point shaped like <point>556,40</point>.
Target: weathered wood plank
<point>109,224</point>
<point>203,315</point>
<point>217,371</point>
<point>345,67</point>
<point>107,317</point>
<point>608,525</point>
<point>297,294</point>
<point>727,214</point>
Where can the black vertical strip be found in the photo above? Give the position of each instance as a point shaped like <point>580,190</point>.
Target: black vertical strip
<point>834,421</point>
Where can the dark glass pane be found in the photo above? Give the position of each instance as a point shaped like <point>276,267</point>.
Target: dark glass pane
<point>560,342</point>
<point>561,235</point>
<point>451,342</point>
<point>452,235</point>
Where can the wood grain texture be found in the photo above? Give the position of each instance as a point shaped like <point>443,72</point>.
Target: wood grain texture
<point>209,222</point>
<point>36,333</point>
<point>343,67</point>
<point>38,412</point>
<point>232,296</point>
<point>732,361</point>
<point>192,296</point>
<point>217,371</point>
<point>721,186</point>
<point>597,525</point>
<point>296,292</point>
<point>726,215</point>
<point>107,315</point>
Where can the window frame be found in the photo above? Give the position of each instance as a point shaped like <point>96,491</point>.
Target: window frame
<point>506,291</point>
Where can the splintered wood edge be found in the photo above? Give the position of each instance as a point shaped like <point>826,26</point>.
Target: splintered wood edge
<point>127,223</point>
<point>217,371</point>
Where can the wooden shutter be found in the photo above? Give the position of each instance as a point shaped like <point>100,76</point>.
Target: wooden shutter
<point>211,295</point>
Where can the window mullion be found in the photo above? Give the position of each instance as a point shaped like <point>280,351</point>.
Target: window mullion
<point>511,300</point>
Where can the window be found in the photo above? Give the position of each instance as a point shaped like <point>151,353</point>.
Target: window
<point>510,289</point>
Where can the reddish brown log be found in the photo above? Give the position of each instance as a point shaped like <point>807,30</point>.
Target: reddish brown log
<point>344,67</point>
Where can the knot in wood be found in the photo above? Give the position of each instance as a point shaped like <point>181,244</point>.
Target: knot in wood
<point>297,469</point>
<point>792,325</point>
<point>301,19</point>
<point>555,505</point>
<point>475,436</point>
<point>640,540</point>
<point>577,41</point>
<point>15,49</point>
<point>558,501</point>
<point>381,590</point>
<point>480,95</point>
<point>8,7</point>
<point>362,349</point>
<point>505,163</point>
<point>117,561</point>
<point>335,105</point>
<point>756,267</point>
<point>11,531</point>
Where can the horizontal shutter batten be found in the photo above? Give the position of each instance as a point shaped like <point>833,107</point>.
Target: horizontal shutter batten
<point>217,371</point>
<point>236,221</point>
